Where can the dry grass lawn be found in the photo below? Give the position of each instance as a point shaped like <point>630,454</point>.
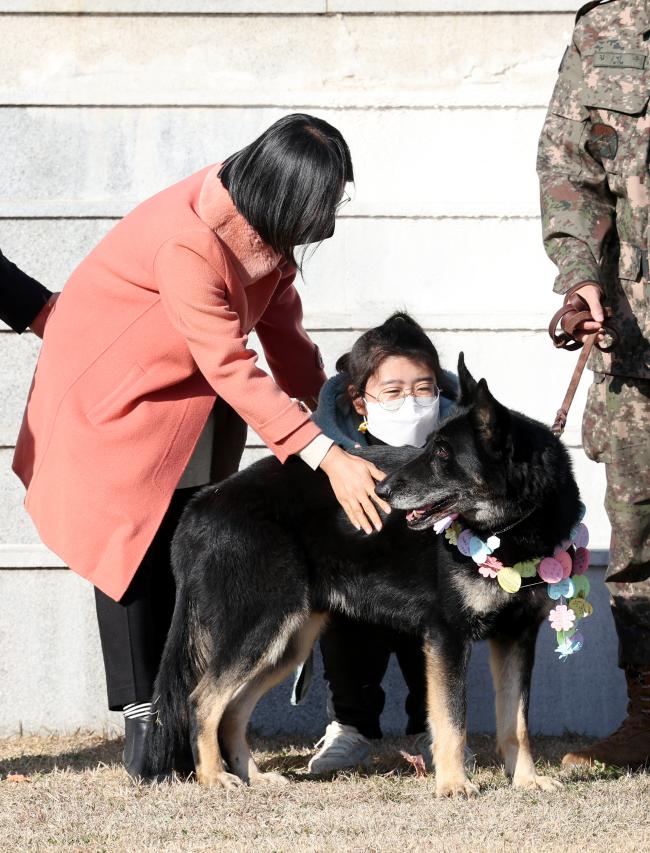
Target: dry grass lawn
<point>75,796</point>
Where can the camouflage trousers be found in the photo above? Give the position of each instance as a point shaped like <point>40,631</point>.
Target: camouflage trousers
<point>616,431</point>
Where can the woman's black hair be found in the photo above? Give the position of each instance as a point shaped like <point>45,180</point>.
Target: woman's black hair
<point>399,335</point>
<point>288,183</point>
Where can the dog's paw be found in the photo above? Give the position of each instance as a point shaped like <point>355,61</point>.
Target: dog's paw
<point>270,778</point>
<point>537,783</point>
<point>456,788</point>
<point>228,781</point>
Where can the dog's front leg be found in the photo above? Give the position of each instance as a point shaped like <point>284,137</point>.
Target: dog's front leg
<point>511,662</point>
<point>446,662</point>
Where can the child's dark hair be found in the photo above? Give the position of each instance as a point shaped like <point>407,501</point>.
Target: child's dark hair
<point>399,335</point>
<point>288,183</point>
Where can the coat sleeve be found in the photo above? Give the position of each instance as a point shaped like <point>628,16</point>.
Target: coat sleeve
<point>21,297</point>
<point>195,298</point>
<point>576,203</point>
<point>293,357</point>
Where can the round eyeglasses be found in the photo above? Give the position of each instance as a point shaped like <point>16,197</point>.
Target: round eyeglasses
<point>392,399</point>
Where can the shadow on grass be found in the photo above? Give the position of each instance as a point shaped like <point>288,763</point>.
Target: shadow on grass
<point>290,756</point>
<point>31,756</point>
<point>386,759</point>
<point>287,755</point>
<point>29,763</point>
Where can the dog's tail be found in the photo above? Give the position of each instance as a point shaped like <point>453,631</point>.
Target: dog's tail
<point>168,740</point>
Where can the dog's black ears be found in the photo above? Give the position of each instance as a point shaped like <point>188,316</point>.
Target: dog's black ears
<point>491,420</point>
<point>466,383</point>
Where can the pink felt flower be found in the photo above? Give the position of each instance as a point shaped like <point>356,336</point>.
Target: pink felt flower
<point>444,523</point>
<point>490,567</point>
<point>561,618</point>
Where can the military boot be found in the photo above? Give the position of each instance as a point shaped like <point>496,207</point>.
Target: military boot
<point>629,745</point>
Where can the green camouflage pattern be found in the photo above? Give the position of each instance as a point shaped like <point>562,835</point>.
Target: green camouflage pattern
<point>616,431</point>
<point>593,169</point>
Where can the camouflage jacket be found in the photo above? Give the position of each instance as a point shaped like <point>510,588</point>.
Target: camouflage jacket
<point>593,169</point>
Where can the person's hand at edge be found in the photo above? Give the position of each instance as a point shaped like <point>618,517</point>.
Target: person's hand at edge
<point>353,483</point>
<point>37,326</point>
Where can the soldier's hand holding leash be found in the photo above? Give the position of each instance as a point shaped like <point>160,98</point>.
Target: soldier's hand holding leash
<point>583,321</point>
<point>581,316</point>
<point>591,294</point>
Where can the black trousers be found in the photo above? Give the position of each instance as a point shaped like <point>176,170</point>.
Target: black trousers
<point>355,657</point>
<point>133,630</point>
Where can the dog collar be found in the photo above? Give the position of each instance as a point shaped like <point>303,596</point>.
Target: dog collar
<point>563,573</point>
<point>515,523</point>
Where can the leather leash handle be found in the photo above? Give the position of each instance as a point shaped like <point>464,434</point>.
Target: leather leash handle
<point>562,413</point>
<point>570,318</point>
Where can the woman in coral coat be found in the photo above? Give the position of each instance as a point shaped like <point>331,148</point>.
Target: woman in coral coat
<point>150,330</point>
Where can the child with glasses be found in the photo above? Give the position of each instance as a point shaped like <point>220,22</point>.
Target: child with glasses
<point>389,389</point>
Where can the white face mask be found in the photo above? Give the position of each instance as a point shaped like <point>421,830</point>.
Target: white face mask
<point>410,424</point>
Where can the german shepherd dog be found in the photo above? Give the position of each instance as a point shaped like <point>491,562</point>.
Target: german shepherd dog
<point>262,558</point>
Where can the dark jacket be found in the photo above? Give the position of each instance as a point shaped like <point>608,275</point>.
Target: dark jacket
<point>21,296</point>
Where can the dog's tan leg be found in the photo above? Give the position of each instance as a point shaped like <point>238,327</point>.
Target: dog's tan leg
<point>209,700</point>
<point>232,731</point>
<point>511,665</point>
<point>446,705</point>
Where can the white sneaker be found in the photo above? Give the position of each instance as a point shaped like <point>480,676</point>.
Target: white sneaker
<point>423,745</point>
<point>341,746</point>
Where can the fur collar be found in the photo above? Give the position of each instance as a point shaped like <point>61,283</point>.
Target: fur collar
<point>250,255</point>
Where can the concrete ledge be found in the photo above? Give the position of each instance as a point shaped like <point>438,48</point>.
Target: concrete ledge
<point>161,7</point>
<point>51,673</point>
<point>17,531</point>
<point>408,163</point>
<point>454,6</point>
<point>292,7</point>
<point>19,557</point>
<point>419,267</point>
<point>521,386</point>
<point>363,60</point>
<point>29,557</point>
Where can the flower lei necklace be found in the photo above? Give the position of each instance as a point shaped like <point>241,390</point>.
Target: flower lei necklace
<point>563,573</point>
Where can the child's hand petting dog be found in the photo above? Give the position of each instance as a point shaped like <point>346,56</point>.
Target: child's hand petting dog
<point>353,482</point>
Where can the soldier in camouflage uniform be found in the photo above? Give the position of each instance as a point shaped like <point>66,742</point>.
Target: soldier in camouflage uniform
<point>593,165</point>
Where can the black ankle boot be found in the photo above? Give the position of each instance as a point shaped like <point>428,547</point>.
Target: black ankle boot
<point>134,756</point>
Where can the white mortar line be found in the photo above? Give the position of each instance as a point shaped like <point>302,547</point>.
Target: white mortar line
<point>296,106</point>
<point>15,556</point>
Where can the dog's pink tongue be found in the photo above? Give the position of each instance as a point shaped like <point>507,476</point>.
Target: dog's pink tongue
<point>414,514</point>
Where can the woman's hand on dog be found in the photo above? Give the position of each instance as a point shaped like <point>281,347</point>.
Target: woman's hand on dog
<point>353,482</point>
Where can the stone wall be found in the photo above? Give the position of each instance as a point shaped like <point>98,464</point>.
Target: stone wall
<point>104,102</point>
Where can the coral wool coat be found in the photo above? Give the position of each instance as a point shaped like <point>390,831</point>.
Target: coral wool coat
<point>149,329</point>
